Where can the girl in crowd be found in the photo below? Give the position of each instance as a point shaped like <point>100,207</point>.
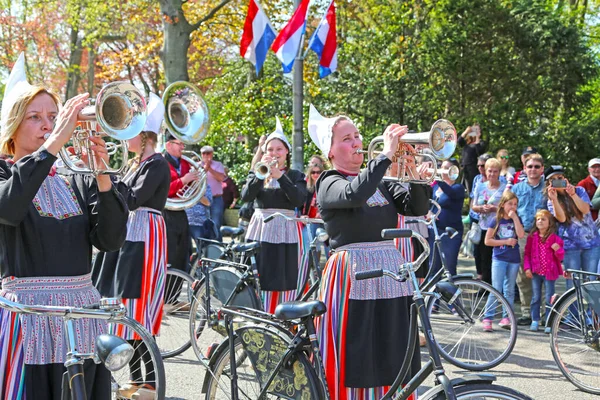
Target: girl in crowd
<point>570,206</point>
<point>281,245</point>
<point>48,225</point>
<point>506,171</point>
<point>485,203</point>
<point>313,171</point>
<point>137,272</point>
<point>364,334</point>
<point>544,253</point>
<point>503,234</point>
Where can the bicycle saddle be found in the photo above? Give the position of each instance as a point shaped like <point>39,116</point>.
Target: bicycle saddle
<point>246,247</point>
<point>299,309</point>
<point>230,231</point>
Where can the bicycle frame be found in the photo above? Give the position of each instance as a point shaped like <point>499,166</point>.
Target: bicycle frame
<point>109,309</point>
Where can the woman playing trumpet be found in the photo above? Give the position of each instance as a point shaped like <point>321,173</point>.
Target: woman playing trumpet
<point>282,249</point>
<point>364,333</point>
<point>48,225</point>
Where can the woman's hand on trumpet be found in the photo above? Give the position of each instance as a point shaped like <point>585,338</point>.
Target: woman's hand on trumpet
<point>65,124</point>
<point>274,170</point>
<point>102,161</point>
<point>391,136</point>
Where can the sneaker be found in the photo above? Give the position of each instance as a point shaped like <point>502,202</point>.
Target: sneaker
<point>523,321</point>
<point>504,323</point>
<point>534,326</point>
<point>487,325</point>
<point>547,330</point>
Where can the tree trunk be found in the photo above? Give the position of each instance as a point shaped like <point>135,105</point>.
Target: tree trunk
<point>91,72</point>
<point>74,72</point>
<point>176,42</point>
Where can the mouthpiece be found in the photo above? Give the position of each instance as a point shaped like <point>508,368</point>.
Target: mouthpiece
<point>46,136</point>
<point>360,151</point>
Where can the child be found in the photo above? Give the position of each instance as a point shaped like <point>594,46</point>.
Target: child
<point>503,234</point>
<point>543,254</point>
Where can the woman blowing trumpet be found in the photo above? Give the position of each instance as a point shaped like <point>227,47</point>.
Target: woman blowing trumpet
<point>48,224</point>
<point>364,333</point>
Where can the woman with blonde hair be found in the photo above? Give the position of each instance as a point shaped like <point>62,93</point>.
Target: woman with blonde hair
<point>48,225</point>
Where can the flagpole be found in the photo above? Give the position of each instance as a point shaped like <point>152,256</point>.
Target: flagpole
<point>297,102</point>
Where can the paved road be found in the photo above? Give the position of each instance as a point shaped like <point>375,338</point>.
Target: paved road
<point>530,368</point>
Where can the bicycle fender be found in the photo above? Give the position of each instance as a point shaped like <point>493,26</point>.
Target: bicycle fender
<point>224,345</point>
<point>465,380</point>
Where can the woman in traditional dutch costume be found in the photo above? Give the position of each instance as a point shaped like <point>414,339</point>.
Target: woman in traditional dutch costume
<point>138,271</point>
<point>364,333</point>
<point>281,258</point>
<point>48,224</point>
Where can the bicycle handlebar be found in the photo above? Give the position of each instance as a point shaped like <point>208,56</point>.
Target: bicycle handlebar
<point>304,220</point>
<point>432,219</point>
<point>93,311</point>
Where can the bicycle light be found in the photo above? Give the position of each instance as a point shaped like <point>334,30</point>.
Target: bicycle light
<point>113,351</point>
<point>321,235</point>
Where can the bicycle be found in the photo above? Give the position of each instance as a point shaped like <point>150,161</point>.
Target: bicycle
<point>114,352</point>
<point>235,284</point>
<point>274,353</point>
<point>461,339</point>
<point>575,332</point>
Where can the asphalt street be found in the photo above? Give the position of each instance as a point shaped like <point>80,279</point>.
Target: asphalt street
<point>530,368</point>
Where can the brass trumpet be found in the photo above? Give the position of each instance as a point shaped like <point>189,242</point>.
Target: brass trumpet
<point>263,170</point>
<point>437,173</point>
<point>438,143</point>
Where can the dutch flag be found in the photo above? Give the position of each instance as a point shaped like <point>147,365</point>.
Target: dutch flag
<point>324,42</point>
<point>288,41</point>
<point>257,37</point>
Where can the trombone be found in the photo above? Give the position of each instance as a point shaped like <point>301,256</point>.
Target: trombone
<point>119,111</point>
<point>438,143</point>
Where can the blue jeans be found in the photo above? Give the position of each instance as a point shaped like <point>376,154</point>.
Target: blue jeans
<point>504,279</point>
<point>450,248</point>
<point>536,286</point>
<point>581,260</point>
<point>217,209</point>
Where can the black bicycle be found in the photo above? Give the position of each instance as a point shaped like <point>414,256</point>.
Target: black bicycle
<point>461,339</point>
<point>575,332</point>
<point>278,356</point>
<point>236,284</point>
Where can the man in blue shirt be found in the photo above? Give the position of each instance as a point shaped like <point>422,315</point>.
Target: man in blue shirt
<point>531,199</point>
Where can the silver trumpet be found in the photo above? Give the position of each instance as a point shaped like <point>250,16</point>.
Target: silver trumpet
<point>119,112</point>
<point>263,170</point>
<point>437,173</point>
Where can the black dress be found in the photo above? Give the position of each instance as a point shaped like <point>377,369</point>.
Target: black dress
<point>48,224</point>
<point>281,248</point>
<point>364,333</point>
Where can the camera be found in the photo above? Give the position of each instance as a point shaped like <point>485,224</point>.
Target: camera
<point>558,183</point>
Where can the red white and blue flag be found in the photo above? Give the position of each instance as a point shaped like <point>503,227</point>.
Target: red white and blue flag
<point>257,37</point>
<point>324,42</point>
<point>288,41</point>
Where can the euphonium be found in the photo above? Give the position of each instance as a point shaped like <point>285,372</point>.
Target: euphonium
<point>263,170</point>
<point>120,112</point>
<point>187,118</point>
<point>437,144</point>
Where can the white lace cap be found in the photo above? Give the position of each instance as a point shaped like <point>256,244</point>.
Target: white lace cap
<point>320,130</point>
<point>155,114</point>
<point>15,86</point>
<point>277,134</point>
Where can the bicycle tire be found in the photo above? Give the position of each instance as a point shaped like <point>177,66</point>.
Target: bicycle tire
<point>476,391</point>
<point>465,344</point>
<point>120,379</point>
<point>173,338</point>
<point>219,385</point>
<point>576,359</point>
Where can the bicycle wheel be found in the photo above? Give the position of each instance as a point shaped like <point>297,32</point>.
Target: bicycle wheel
<point>146,367</point>
<point>462,341</point>
<point>173,338</point>
<point>257,351</point>
<point>576,355</point>
<point>479,391</point>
